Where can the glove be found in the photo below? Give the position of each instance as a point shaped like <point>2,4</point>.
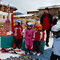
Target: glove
<point>51,25</point>
<point>33,39</point>
<point>23,40</point>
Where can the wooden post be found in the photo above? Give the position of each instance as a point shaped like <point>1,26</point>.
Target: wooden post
<point>12,24</point>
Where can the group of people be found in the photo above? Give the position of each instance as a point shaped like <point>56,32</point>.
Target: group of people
<point>50,24</point>
<point>34,37</point>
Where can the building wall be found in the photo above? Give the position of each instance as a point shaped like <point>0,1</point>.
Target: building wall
<point>53,11</point>
<point>33,17</point>
<point>33,12</point>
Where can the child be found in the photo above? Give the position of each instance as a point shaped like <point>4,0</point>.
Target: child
<point>29,35</point>
<point>56,43</point>
<point>39,38</point>
<point>18,29</point>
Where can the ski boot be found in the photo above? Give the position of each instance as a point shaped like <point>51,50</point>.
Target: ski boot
<point>34,53</point>
<point>26,52</point>
<point>38,54</point>
<point>31,53</point>
<point>37,59</point>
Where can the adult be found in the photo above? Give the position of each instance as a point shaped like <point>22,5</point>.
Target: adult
<point>58,22</point>
<point>55,20</point>
<point>46,21</point>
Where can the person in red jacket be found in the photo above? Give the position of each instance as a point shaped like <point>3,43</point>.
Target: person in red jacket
<point>17,33</point>
<point>47,23</point>
<point>39,38</point>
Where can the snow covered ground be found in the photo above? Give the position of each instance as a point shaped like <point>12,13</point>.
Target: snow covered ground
<point>44,56</point>
<point>7,55</point>
<point>47,52</point>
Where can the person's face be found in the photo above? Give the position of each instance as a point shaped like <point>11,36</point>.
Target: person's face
<point>46,11</point>
<point>54,17</point>
<point>29,27</point>
<point>37,30</point>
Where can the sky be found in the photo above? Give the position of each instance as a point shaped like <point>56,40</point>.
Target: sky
<point>30,5</point>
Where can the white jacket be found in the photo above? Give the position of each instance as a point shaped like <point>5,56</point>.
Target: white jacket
<point>58,22</point>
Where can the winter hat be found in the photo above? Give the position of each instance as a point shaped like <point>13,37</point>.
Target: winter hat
<point>29,23</point>
<point>47,8</point>
<point>56,28</point>
<point>18,20</point>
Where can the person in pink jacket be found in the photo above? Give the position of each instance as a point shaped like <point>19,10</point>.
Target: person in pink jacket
<point>29,36</point>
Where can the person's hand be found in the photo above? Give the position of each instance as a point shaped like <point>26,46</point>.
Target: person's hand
<point>33,39</point>
<point>23,40</point>
<point>51,25</point>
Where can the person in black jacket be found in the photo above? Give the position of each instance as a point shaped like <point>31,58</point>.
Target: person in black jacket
<point>46,21</point>
<point>55,20</point>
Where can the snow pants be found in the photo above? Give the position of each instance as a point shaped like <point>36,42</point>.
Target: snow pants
<point>37,46</point>
<point>47,36</point>
<point>17,43</point>
<point>29,44</point>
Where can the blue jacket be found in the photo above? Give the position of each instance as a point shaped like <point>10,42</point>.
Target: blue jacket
<point>56,46</point>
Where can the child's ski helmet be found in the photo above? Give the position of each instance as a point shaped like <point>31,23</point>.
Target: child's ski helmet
<point>18,20</point>
<point>56,28</point>
<point>39,26</point>
<point>29,24</point>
